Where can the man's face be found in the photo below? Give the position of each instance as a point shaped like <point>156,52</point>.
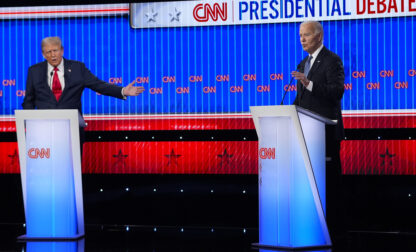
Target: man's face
<point>53,54</point>
<point>309,40</point>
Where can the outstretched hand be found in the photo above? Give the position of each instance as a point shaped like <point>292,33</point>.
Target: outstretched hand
<point>130,90</point>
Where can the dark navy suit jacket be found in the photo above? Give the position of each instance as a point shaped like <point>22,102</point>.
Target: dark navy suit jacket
<point>77,77</point>
<point>327,75</point>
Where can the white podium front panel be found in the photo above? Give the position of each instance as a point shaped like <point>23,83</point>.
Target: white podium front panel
<point>273,211</point>
<point>50,191</point>
<point>314,135</point>
<point>291,178</point>
<point>50,168</point>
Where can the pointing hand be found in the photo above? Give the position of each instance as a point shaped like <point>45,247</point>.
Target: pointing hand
<point>130,90</point>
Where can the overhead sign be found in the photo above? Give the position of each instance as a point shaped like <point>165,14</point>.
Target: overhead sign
<point>234,12</point>
<point>61,11</point>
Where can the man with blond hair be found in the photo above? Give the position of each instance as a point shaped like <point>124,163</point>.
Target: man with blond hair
<point>58,83</point>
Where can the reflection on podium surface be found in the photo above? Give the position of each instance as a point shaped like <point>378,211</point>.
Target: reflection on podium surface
<point>55,246</point>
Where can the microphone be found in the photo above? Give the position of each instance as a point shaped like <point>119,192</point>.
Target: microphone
<point>290,83</point>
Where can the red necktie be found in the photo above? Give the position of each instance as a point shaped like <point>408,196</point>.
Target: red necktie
<point>56,85</point>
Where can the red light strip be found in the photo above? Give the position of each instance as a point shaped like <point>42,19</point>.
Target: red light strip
<point>378,114</point>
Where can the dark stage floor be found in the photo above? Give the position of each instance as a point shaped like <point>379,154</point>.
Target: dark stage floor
<point>155,239</point>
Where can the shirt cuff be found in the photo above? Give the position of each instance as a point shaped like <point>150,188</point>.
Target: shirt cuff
<point>122,94</point>
<point>310,85</point>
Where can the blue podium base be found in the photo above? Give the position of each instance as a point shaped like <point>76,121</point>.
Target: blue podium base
<point>68,238</point>
<point>304,248</point>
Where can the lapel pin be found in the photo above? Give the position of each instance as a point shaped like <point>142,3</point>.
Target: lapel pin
<point>69,70</point>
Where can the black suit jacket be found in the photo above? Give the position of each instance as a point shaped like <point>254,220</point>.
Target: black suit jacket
<point>327,75</point>
<point>77,77</point>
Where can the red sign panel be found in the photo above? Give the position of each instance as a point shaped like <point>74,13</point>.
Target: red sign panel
<point>396,157</point>
<point>223,157</point>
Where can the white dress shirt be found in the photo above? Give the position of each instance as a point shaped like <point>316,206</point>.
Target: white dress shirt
<point>314,56</point>
<point>60,74</point>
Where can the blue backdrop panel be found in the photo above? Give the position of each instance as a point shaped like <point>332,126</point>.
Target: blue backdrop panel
<point>237,62</point>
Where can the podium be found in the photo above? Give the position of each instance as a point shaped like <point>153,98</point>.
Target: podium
<point>50,167</point>
<point>291,178</point>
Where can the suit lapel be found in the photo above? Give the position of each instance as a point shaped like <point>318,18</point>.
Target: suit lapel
<point>44,81</point>
<point>67,75</point>
<point>68,71</point>
<point>44,70</point>
<point>317,62</point>
<point>302,65</point>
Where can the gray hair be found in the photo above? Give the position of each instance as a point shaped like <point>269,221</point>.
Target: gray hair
<point>317,27</point>
<point>51,41</point>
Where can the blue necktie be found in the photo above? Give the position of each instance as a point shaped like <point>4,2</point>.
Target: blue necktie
<point>307,66</point>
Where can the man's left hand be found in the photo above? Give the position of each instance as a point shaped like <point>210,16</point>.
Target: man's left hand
<point>130,90</point>
<point>300,76</point>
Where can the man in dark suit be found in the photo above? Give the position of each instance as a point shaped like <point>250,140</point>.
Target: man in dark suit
<point>320,89</point>
<point>58,83</point>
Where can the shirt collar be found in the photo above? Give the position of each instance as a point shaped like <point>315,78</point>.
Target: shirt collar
<point>60,67</point>
<point>315,54</point>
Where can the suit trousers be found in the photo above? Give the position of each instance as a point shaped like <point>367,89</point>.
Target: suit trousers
<point>334,188</point>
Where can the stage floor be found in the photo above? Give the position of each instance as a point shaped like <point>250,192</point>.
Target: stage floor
<point>154,239</point>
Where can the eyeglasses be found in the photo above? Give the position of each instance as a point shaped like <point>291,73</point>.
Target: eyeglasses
<point>50,52</point>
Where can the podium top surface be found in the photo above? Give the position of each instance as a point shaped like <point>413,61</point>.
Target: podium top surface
<point>46,114</point>
<point>287,110</point>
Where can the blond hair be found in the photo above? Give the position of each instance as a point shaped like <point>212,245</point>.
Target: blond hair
<point>51,41</point>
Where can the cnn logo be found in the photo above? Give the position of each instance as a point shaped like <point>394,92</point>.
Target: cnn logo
<point>267,153</point>
<point>35,153</point>
<point>202,12</point>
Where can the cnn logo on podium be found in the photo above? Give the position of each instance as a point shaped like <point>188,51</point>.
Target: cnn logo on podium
<point>267,153</point>
<point>35,153</point>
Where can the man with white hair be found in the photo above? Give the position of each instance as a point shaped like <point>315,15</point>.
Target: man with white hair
<point>320,89</point>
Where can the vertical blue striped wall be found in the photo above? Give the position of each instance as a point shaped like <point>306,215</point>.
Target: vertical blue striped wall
<point>112,49</point>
